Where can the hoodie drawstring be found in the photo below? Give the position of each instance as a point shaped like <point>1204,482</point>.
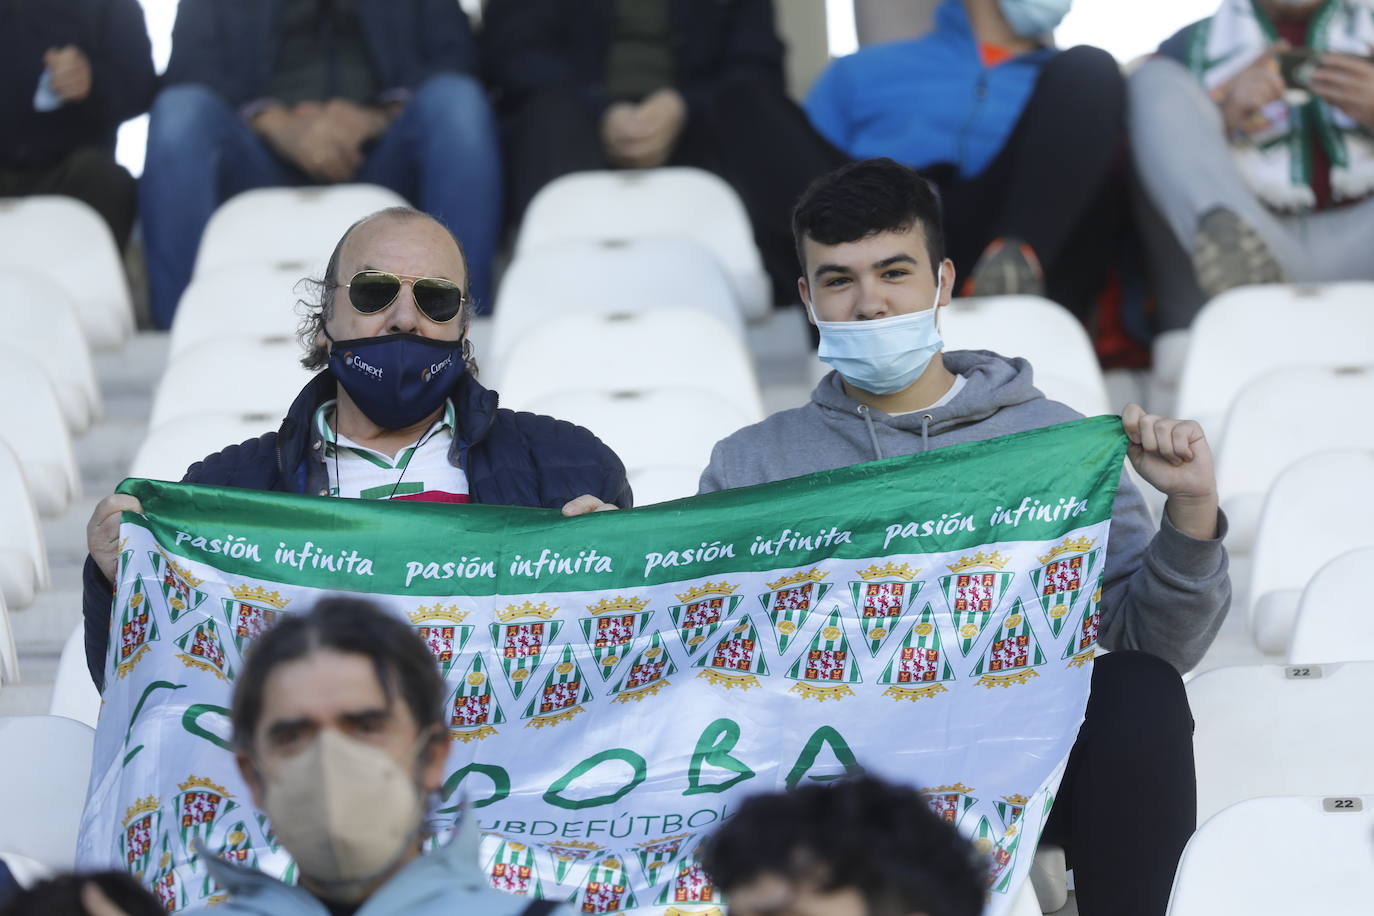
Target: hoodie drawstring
<point>925,433</point>
<point>872,432</point>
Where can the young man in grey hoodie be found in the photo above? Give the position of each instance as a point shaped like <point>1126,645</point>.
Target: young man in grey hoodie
<point>874,281</point>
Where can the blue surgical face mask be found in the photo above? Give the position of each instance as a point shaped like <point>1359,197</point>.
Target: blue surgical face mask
<point>1034,18</point>
<point>884,355</point>
<point>397,379</point>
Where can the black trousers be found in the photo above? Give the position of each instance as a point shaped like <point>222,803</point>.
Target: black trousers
<point>1128,801</point>
<point>90,175</point>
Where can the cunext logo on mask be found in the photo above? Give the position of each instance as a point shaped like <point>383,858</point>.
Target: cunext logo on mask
<point>353,361</point>
<point>434,369</point>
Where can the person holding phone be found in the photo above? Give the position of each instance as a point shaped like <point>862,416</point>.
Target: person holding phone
<point>1251,132</point>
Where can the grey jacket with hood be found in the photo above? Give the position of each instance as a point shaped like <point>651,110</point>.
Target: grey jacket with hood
<point>1164,592</point>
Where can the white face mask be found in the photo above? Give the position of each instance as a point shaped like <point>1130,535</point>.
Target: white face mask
<point>884,355</point>
<point>1032,19</point>
<point>346,811</point>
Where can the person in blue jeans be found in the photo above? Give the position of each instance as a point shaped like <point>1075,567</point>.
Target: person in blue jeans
<point>272,93</point>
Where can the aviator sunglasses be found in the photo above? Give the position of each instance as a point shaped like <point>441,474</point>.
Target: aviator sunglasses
<point>370,291</point>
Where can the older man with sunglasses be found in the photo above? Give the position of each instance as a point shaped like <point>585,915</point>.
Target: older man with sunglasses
<point>396,412</point>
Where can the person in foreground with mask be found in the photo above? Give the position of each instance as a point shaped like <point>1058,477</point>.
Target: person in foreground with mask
<point>394,413</point>
<point>1022,139</point>
<point>856,847</point>
<point>338,718</point>
<point>874,281</point>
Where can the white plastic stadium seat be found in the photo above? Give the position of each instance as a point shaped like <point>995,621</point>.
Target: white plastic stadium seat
<point>170,449</point>
<point>604,277</point>
<point>1335,613</point>
<point>67,241</point>
<point>1278,857</point>
<point>73,694</point>
<point>9,655</point>
<point>31,423</point>
<point>1317,509</point>
<point>240,376</point>
<point>1046,334</point>
<point>1313,407</point>
<point>52,335</point>
<point>1251,330</point>
<point>663,483</point>
<point>653,427</point>
<point>23,558</point>
<point>43,776</point>
<point>246,300</point>
<point>664,348</point>
<point>276,225</point>
<point>652,203</point>
<point>1260,731</point>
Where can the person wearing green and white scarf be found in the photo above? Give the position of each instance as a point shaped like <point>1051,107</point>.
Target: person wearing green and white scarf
<point>1260,182</point>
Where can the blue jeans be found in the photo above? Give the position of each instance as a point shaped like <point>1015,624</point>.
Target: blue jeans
<point>441,154</point>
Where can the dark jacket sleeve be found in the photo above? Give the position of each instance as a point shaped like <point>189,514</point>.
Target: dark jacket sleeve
<point>749,49</point>
<point>531,45</point>
<point>201,53</point>
<point>123,80</point>
<point>445,39</point>
<point>97,595</point>
<point>1178,45</point>
<point>569,461</point>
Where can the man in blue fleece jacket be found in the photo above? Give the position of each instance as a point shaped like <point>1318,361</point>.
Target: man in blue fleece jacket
<point>1023,140</point>
<point>875,277</point>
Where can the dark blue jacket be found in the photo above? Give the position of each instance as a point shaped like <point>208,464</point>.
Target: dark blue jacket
<point>231,45</point>
<point>529,45</point>
<point>510,458</point>
<point>114,39</point>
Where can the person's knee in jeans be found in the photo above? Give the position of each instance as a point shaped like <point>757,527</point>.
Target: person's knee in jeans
<point>452,102</point>
<point>182,115</point>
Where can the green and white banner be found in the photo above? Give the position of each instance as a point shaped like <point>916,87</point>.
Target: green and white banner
<point>619,682</point>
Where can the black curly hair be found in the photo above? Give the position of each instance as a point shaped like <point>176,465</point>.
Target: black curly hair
<point>860,832</point>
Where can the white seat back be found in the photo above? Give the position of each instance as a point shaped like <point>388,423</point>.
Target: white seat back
<point>1280,856</point>
<point>1046,334</point>
<point>9,655</point>
<point>663,483</point>
<point>604,277</point>
<point>653,203</point>
<point>1251,330</point>
<point>240,376</point>
<point>1277,419</point>
<point>66,240</point>
<point>655,427</point>
<point>52,335</point>
<point>1335,613</point>
<point>74,695</point>
<point>33,427</point>
<point>245,300</point>
<point>43,777</point>
<point>276,225</point>
<point>23,557</point>
<point>664,348</point>
<point>1316,510</point>
<point>1260,731</point>
<point>169,450</point>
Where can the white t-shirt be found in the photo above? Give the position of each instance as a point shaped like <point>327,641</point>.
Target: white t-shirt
<point>420,471</point>
<point>959,383</point>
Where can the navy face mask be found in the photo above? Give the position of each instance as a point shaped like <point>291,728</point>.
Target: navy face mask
<point>397,379</point>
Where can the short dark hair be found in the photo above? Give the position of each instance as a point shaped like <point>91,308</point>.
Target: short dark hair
<point>316,308</point>
<point>403,663</point>
<point>859,832</point>
<point>865,198</point>
<point>61,896</point>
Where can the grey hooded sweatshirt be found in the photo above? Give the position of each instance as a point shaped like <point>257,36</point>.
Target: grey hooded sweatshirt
<point>1164,592</point>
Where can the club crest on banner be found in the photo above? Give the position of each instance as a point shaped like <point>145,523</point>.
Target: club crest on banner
<point>142,828</point>
<point>790,600</point>
<point>251,612</point>
<point>606,889</point>
<point>735,661</point>
<point>647,674</point>
<point>950,803</point>
<point>691,884</point>
<point>1083,647</point>
<point>702,611</point>
<point>882,595</point>
<point>918,668</point>
<point>475,711</point>
<point>441,629</point>
<point>201,647</point>
<point>569,853</point>
<point>1013,655</point>
<point>166,886</point>
<point>974,597</point>
<point>137,628</point>
<point>198,806</point>
<point>828,668</point>
<point>658,855</point>
<point>611,630</point>
<point>180,589</point>
<point>562,695</point>
<point>521,638</point>
<point>512,870</point>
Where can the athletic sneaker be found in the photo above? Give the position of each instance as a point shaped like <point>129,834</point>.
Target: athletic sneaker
<point>1228,253</point>
<point>1007,267</point>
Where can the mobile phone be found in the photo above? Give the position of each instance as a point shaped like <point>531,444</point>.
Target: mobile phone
<point>1296,67</point>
